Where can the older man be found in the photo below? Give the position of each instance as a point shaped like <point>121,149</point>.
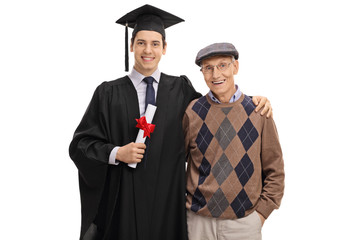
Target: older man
<point>235,175</point>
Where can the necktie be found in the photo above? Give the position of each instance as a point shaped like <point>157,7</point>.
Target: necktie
<point>150,98</point>
<point>150,91</point>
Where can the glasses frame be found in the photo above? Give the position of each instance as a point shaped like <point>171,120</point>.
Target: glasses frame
<point>217,66</point>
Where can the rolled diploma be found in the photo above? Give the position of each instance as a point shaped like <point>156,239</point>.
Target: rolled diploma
<point>149,114</point>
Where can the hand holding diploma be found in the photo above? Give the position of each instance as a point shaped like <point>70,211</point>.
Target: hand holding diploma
<point>131,152</point>
<point>144,123</point>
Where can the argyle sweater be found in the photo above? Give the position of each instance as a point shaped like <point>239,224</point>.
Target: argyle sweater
<point>235,163</point>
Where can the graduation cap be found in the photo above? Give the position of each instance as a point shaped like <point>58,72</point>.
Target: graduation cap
<point>147,18</point>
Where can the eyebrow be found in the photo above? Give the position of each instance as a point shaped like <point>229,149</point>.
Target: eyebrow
<point>142,40</point>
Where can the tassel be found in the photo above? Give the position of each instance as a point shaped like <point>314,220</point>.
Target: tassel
<point>126,49</point>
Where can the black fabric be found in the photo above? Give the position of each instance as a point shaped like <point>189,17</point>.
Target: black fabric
<point>146,203</point>
<point>150,18</point>
<point>91,233</point>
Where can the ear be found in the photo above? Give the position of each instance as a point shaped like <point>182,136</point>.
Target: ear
<point>131,47</point>
<point>236,67</point>
<point>164,49</point>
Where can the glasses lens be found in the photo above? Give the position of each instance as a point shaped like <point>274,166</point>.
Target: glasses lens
<point>223,66</point>
<point>208,69</point>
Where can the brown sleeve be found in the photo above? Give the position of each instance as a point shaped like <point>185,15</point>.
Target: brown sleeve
<point>272,169</point>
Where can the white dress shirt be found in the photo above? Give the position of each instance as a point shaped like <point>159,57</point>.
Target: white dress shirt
<point>140,86</point>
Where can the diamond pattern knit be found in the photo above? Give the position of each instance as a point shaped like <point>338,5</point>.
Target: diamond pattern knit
<point>224,180</point>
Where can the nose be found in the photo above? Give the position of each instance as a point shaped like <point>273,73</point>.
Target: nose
<point>147,48</point>
<point>216,73</point>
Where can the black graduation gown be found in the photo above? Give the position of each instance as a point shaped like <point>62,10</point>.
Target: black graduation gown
<point>118,202</point>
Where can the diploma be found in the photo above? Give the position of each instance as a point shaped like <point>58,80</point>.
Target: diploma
<point>149,114</point>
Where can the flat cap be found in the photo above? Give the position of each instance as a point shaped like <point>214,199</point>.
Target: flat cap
<point>216,49</point>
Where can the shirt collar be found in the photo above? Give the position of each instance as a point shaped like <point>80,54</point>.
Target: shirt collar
<point>234,98</point>
<point>137,77</point>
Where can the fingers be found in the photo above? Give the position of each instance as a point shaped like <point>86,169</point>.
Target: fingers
<point>255,100</point>
<point>261,103</point>
<point>140,145</point>
<point>139,157</point>
<point>270,113</point>
<point>131,153</point>
<point>138,151</point>
<point>267,109</point>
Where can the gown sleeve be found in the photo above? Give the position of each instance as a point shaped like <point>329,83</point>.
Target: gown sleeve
<point>90,147</point>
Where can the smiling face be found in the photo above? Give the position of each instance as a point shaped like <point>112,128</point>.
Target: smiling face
<point>221,83</point>
<point>148,49</point>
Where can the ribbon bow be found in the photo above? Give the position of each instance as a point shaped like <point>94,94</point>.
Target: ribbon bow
<point>147,127</point>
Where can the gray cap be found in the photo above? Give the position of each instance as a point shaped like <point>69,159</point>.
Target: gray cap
<point>216,49</point>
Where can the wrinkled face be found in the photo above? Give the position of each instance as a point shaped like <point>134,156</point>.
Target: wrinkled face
<point>148,49</point>
<point>221,83</point>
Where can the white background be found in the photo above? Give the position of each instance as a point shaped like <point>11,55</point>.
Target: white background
<point>303,55</point>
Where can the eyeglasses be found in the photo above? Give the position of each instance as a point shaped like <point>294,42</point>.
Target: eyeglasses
<point>210,68</point>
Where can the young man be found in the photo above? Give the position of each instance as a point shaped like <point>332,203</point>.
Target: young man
<point>235,175</point>
<point>146,202</point>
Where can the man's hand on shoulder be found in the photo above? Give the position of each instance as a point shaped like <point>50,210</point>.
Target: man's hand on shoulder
<point>260,102</point>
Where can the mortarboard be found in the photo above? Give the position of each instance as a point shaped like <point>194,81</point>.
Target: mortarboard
<point>148,18</point>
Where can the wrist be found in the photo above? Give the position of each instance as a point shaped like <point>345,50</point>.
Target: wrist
<point>113,156</point>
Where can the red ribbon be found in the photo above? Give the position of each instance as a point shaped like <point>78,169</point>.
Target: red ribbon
<point>147,127</point>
